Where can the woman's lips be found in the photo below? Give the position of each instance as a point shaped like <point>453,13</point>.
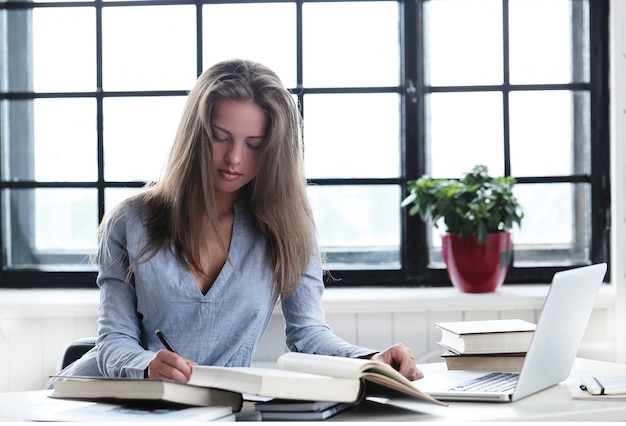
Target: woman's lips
<point>229,175</point>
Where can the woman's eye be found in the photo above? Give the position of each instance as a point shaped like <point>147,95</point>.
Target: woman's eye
<point>220,139</point>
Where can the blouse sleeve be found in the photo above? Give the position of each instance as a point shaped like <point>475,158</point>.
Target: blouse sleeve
<point>306,328</point>
<point>120,350</point>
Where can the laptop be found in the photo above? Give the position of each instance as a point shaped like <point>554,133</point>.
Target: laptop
<point>552,351</point>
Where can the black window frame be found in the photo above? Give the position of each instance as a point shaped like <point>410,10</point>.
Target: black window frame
<point>415,270</point>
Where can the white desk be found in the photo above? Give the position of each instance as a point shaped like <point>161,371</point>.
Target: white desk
<point>553,404</point>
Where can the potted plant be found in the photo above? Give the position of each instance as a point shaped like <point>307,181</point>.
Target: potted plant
<point>478,212</point>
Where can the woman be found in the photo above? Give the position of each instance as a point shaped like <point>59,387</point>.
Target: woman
<point>205,254</point>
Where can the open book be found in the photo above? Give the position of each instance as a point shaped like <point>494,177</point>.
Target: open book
<point>312,378</point>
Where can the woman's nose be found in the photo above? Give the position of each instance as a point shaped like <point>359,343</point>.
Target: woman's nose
<point>233,154</point>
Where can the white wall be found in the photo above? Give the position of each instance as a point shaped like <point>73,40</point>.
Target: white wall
<point>35,325</point>
<point>617,26</point>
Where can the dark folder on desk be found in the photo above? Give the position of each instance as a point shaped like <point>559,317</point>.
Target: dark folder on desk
<point>552,351</point>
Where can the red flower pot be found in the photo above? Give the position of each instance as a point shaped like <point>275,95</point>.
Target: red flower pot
<point>475,268</point>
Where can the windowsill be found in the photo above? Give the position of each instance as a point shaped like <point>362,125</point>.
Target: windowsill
<point>84,303</point>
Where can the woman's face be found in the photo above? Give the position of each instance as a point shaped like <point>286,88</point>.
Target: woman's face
<point>238,133</point>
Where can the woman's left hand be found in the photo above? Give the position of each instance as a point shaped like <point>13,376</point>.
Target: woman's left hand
<point>401,358</point>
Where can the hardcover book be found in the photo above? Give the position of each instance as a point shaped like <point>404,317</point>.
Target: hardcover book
<point>508,362</point>
<point>143,392</point>
<point>283,409</point>
<point>280,404</point>
<point>486,336</point>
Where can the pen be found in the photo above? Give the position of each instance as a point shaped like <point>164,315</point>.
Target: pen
<point>164,340</point>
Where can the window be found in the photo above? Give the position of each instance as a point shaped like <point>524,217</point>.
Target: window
<point>91,93</point>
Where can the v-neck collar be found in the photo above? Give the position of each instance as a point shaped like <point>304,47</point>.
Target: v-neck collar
<point>234,254</point>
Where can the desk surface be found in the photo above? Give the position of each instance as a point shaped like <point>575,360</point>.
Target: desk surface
<point>555,403</point>
<point>552,404</point>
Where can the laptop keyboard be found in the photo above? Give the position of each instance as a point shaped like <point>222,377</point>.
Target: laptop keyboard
<point>492,382</point>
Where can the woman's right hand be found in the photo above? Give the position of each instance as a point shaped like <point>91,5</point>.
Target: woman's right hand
<point>168,365</point>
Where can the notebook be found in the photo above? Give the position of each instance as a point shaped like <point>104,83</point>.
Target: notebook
<point>552,351</point>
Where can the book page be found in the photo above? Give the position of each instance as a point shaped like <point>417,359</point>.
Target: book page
<point>335,366</point>
<point>343,367</point>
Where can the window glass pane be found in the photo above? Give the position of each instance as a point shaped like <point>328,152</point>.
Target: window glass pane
<point>17,140</point>
<point>543,123</point>
<point>149,47</point>
<point>264,32</point>
<point>16,70</point>
<point>64,49</point>
<point>465,130</point>
<point>557,220</point>
<point>359,226</point>
<point>65,219</point>
<point>65,140</point>
<point>464,42</point>
<point>352,135</point>
<point>114,196</point>
<point>548,218</point>
<point>49,227</point>
<point>139,133</point>
<point>350,44</point>
<point>50,140</point>
<point>552,52</point>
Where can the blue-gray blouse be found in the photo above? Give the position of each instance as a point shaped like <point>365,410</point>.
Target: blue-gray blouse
<point>223,327</point>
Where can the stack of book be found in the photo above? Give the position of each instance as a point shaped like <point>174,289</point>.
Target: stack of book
<point>487,345</point>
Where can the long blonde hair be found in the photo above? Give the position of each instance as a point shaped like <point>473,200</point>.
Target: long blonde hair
<point>277,195</point>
